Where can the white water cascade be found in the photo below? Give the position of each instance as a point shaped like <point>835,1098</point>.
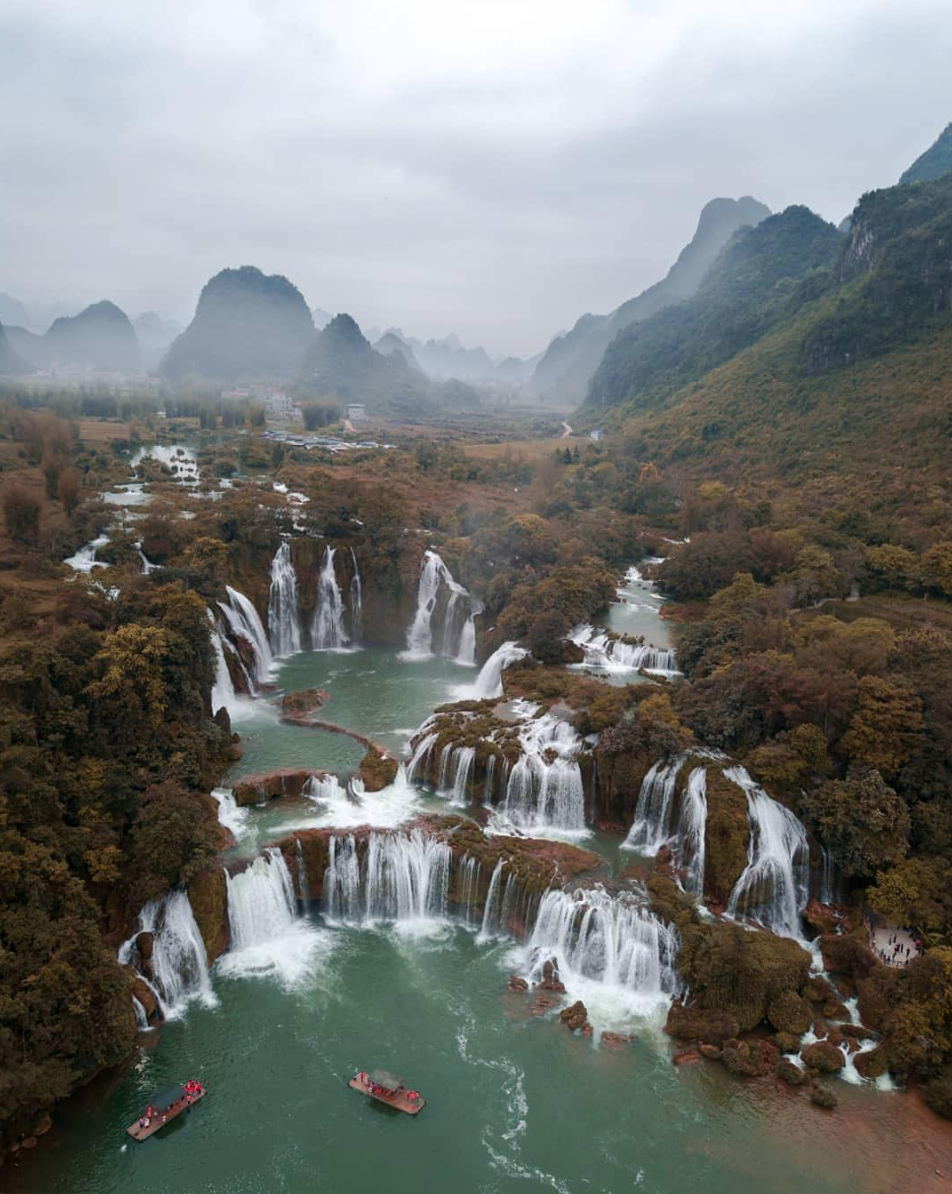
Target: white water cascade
<point>402,879</point>
<point>179,964</point>
<point>284,616</point>
<point>610,950</point>
<point>356,601</point>
<point>327,629</point>
<point>85,559</point>
<point>545,787</point>
<point>244,623</point>
<point>455,772</point>
<point>774,886</point>
<point>470,870</point>
<point>456,631</point>
<point>692,824</point>
<point>613,655</point>
<point>223,689</point>
<point>268,936</point>
<point>652,826</point>
<point>488,683</point>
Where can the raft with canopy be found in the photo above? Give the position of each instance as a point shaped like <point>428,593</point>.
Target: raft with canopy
<point>166,1105</point>
<point>387,1088</point>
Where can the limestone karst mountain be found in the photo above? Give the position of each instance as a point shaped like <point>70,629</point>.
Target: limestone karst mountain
<point>247,326</point>
<point>566,367</point>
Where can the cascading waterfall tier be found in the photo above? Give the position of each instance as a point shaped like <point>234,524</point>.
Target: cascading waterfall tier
<point>269,936</point>
<point>774,886</point>
<point>284,614</point>
<point>455,633</point>
<point>244,624</point>
<point>327,629</point>
<point>653,823</point>
<point>397,878</point>
<point>356,601</point>
<point>488,683</point>
<point>223,694</point>
<point>545,786</point>
<point>608,948</point>
<point>178,965</point>
<point>612,654</point>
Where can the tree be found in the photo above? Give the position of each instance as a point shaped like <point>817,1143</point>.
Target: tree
<point>22,513</point>
<point>69,489</point>
<point>885,726</point>
<point>862,820</point>
<point>937,568</point>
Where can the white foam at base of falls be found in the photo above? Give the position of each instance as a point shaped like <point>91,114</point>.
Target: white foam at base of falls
<point>774,886</point>
<point>179,962</point>
<point>612,953</point>
<point>268,935</point>
<point>284,615</point>
<point>336,808</point>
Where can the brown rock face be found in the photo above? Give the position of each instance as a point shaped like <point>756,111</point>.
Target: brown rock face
<point>303,703</point>
<point>144,944</point>
<point>140,990</point>
<point>711,1052</point>
<point>696,1024</point>
<point>208,895</point>
<point>517,984</point>
<point>687,1057</point>
<point>269,785</point>
<point>378,770</point>
<point>550,977</point>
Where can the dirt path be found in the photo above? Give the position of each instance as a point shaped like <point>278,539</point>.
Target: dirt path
<point>567,432</point>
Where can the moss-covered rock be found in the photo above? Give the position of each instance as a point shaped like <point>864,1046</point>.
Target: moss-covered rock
<point>872,1064</point>
<point>788,1072</point>
<point>848,953</point>
<point>824,1057</point>
<point>303,703</point>
<point>269,785</point>
<point>669,902</point>
<point>822,1096</point>
<point>695,1024</point>
<point>726,836</point>
<point>938,1093</point>
<point>787,1042</point>
<point>208,895</point>
<point>378,770</point>
<point>789,1013</point>
<point>740,971</point>
<point>748,1059</point>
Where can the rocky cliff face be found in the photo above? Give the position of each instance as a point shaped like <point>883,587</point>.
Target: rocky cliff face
<point>248,326</point>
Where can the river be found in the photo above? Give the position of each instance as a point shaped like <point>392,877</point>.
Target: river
<point>516,1103</point>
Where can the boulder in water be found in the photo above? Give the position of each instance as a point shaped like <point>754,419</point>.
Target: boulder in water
<point>823,1056</point>
<point>872,1064</point>
<point>516,983</point>
<point>550,977</point>
<point>377,770</point>
<point>269,785</point>
<point>788,1013</point>
<point>693,1023</point>
<point>687,1057</point>
<point>208,895</point>
<point>748,1059</point>
<point>303,703</point>
<point>142,992</point>
<point>616,1040</point>
<point>788,1072</point>
<point>144,944</point>
<point>822,1096</point>
<point>711,1052</point>
<point>574,1017</point>
<point>542,1004</point>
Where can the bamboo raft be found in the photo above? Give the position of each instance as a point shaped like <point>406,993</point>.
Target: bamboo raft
<point>387,1089</point>
<point>169,1104</point>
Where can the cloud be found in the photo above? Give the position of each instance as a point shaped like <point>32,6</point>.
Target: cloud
<point>494,169</point>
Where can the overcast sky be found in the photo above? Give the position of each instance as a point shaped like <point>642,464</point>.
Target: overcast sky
<point>490,167</point>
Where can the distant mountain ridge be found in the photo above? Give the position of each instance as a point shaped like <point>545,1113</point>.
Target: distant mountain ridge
<point>570,361</point>
<point>247,326</point>
<point>936,161</point>
<point>100,337</point>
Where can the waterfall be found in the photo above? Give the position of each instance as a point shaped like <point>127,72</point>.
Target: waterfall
<point>356,601</point>
<point>546,792</point>
<point>147,565</point>
<point>85,559</point>
<point>284,617</point>
<point>223,690</point>
<point>142,1018</point>
<point>327,629</point>
<point>492,899</point>
<point>467,886</point>
<point>652,826</point>
<point>488,683</point>
<point>691,828</point>
<point>402,879</point>
<point>611,654</point>
<point>488,783</point>
<point>604,944</point>
<point>303,888</point>
<point>466,654</point>
<point>419,763</point>
<point>267,934</point>
<point>455,633</point>
<point>179,964</point>
<point>456,772</point>
<point>773,888</point>
<point>232,816</point>
<point>244,623</point>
